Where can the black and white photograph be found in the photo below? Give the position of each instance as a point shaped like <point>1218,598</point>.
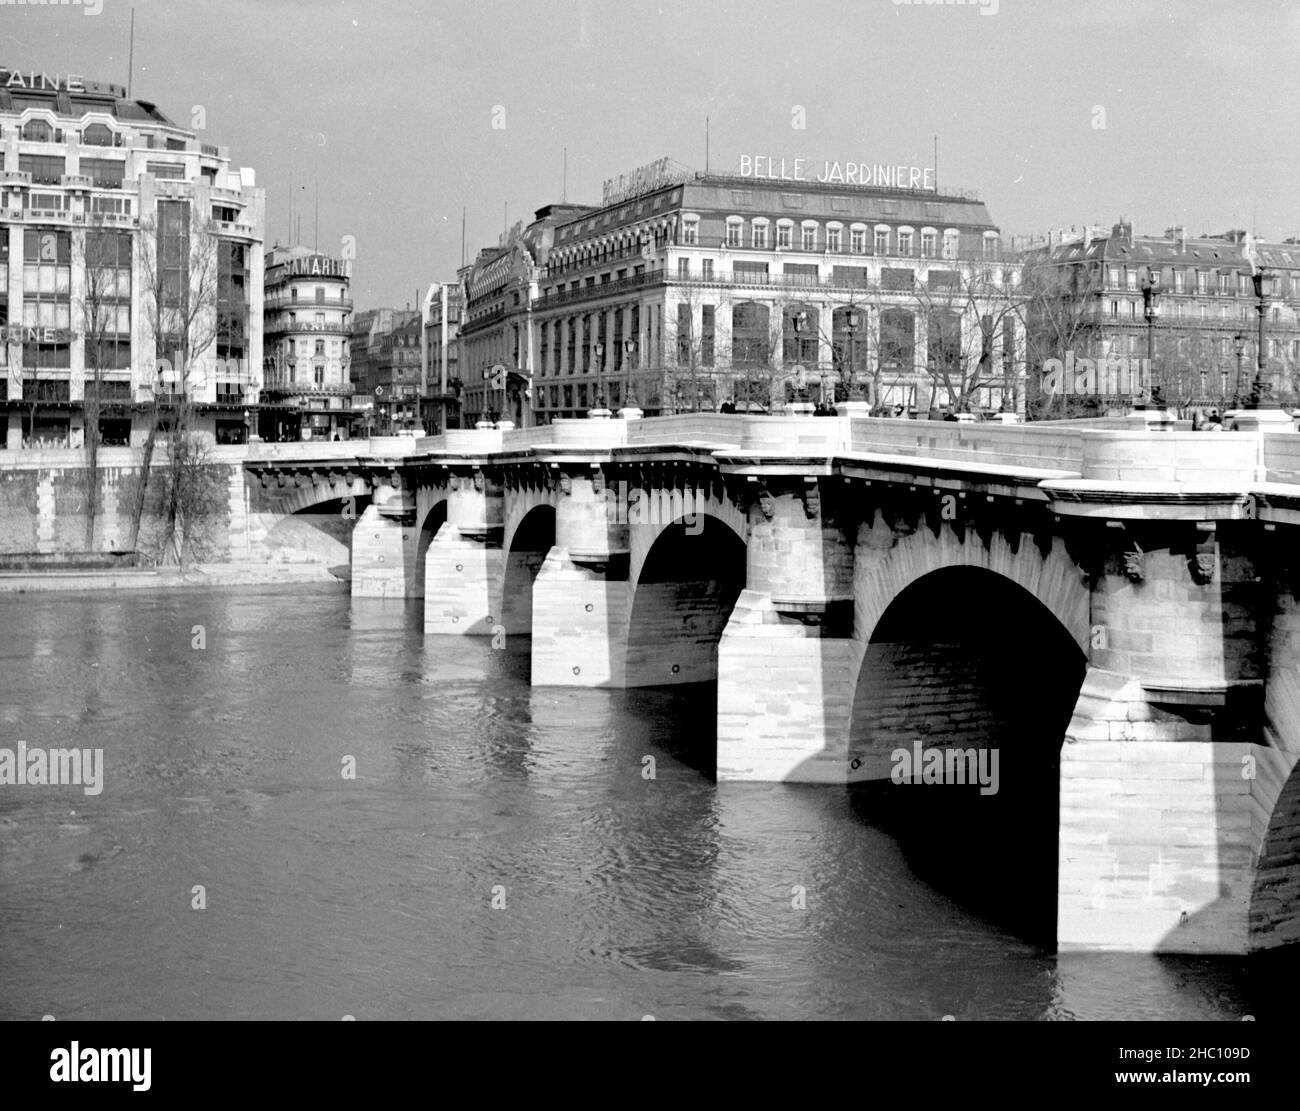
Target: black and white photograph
<point>694,511</point>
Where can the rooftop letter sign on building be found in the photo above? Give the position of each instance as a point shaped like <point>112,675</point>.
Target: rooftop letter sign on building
<point>317,266</point>
<point>55,82</point>
<point>842,173</point>
<point>643,179</point>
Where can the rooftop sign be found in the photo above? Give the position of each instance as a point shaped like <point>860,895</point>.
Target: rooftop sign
<point>315,266</point>
<point>54,82</point>
<point>871,175</point>
<point>644,179</point>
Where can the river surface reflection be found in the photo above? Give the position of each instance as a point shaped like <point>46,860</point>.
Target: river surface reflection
<point>622,896</point>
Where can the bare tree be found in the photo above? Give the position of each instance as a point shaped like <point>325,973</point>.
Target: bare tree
<point>754,341</point>
<point>691,348</point>
<point>1059,299</point>
<point>193,491</point>
<point>179,263</point>
<point>103,257</point>
<point>965,309</point>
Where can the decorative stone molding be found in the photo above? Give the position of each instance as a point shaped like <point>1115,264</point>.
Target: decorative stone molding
<point>812,499</point>
<point>1202,567</point>
<point>766,502</point>
<point>478,480</point>
<point>1135,565</point>
<point>566,484</point>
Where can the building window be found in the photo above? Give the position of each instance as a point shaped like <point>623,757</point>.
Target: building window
<point>106,173</point>
<point>1180,280</point>
<point>882,241</point>
<point>809,242</point>
<point>691,232</point>
<point>858,241</point>
<point>1202,282</point>
<point>951,239</point>
<point>46,169</point>
<point>708,331</point>
<point>832,239</point>
<point>783,237</point>
<point>708,269</point>
<point>38,131</point>
<point>905,243</point>
<point>759,236</point>
<point>733,234</point>
<point>928,239</point>
<point>683,268</point>
<point>992,246</point>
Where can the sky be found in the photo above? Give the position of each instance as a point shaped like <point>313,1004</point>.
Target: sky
<point>1056,113</point>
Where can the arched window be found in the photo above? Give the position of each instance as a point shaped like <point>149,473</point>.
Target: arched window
<point>897,341</point>
<point>799,334</point>
<point>97,135</point>
<point>750,337</point>
<point>38,131</point>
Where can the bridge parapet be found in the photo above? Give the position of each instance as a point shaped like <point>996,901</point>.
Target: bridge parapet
<point>1223,458</point>
<point>1281,451</point>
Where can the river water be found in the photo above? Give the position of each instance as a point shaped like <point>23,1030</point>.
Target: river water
<point>500,853</point>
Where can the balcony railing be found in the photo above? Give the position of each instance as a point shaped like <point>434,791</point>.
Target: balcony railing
<point>288,301</point>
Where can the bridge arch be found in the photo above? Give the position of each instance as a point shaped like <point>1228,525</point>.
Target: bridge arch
<point>1274,917</point>
<point>529,538</point>
<point>311,528</point>
<point>686,585</point>
<point>431,515</point>
<point>972,662</point>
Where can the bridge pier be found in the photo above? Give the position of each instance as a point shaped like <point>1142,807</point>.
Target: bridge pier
<point>462,584</point>
<point>787,659</point>
<point>382,556</point>
<point>1158,815</point>
<point>582,596</point>
<point>463,566</point>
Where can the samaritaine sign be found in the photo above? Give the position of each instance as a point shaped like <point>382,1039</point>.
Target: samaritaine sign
<point>873,175</point>
<point>315,266</point>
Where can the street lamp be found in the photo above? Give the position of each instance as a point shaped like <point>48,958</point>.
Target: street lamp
<point>1260,280</point>
<point>851,323</point>
<point>1150,290</point>
<point>1239,343</point>
<point>598,349</point>
<point>629,363</point>
<point>800,322</point>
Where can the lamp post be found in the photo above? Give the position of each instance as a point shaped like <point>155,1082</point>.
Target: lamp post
<point>1150,290</point>
<point>800,322</point>
<point>1239,343</point>
<point>1260,279</point>
<point>629,364</point>
<point>851,323</point>
<point>598,349</point>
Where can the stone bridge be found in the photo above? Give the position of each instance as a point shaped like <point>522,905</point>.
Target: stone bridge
<point>1107,617</point>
